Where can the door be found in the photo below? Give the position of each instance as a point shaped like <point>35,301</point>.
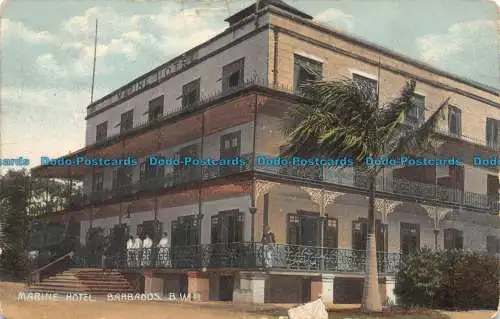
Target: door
<point>226,286</point>
<point>410,238</point>
<point>330,243</point>
<point>309,230</point>
<point>226,238</point>
<point>360,240</point>
<point>230,148</point>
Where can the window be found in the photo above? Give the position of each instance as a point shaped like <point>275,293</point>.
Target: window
<point>367,84</point>
<point>230,147</point>
<point>453,239</point>
<point>360,234</point>
<point>127,121</point>
<point>122,176</point>
<point>454,121</point>
<point>492,185</point>
<point>305,70</point>
<point>187,173</point>
<point>152,228</point>
<point>101,131</point>
<point>233,75</point>
<point>304,229</point>
<point>410,238</point>
<point>155,110</point>
<point>492,133</point>
<point>98,182</point>
<point>185,231</point>
<point>151,171</point>
<point>493,245</point>
<point>227,227</point>
<point>415,115</point>
<point>191,93</point>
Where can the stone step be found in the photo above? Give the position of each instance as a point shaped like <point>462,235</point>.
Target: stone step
<point>94,281</point>
<point>77,291</point>
<point>91,285</point>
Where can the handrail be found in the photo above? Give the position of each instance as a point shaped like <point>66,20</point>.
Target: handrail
<point>36,272</point>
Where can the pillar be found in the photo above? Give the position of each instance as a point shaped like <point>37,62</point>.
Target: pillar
<point>198,284</point>
<point>258,288</point>
<point>322,287</point>
<point>390,285</point>
<point>154,283</point>
<point>252,289</point>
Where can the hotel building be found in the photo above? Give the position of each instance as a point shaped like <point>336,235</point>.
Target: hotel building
<point>227,98</point>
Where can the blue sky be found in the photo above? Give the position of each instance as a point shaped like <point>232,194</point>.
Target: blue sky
<point>47,48</point>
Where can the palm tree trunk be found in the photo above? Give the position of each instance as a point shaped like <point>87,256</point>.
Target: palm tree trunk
<point>371,294</point>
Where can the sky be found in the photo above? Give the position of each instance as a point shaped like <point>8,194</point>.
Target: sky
<point>47,51</point>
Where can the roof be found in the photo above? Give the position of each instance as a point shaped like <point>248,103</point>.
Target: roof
<point>263,3</point>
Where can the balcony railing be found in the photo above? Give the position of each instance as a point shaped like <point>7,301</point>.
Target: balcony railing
<point>251,256</point>
<point>258,82</point>
<point>80,199</point>
<point>385,187</point>
<point>393,186</point>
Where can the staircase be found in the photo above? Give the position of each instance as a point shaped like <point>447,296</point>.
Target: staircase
<point>90,281</point>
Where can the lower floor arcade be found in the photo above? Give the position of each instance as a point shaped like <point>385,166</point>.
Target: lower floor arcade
<point>263,287</point>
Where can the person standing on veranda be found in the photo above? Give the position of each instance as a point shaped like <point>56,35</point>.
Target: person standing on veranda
<point>130,251</point>
<point>137,247</point>
<point>147,250</point>
<point>268,245</point>
<point>164,251</point>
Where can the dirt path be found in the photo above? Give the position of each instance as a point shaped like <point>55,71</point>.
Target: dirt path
<point>102,309</point>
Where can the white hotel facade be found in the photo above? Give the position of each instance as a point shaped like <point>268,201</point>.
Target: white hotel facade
<point>227,97</point>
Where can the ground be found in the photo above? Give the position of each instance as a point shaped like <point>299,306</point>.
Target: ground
<point>14,309</point>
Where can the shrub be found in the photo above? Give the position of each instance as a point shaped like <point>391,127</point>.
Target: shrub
<point>448,280</point>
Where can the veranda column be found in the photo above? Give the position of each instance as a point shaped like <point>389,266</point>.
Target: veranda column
<point>387,207</point>
<point>262,188</point>
<point>437,214</point>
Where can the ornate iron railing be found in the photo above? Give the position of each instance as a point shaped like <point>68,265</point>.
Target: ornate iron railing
<point>251,256</point>
<point>80,199</point>
<point>255,81</point>
<point>384,186</point>
<point>391,186</point>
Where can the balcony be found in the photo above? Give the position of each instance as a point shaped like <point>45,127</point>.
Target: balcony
<point>415,191</point>
<point>248,256</point>
<point>393,188</point>
<point>254,82</point>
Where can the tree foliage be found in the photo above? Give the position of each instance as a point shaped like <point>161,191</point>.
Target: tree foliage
<point>343,118</point>
<point>23,199</point>
<point>451,279</point>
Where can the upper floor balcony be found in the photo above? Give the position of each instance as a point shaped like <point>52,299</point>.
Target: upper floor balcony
<point>347,180</point>
<point>452,130</point>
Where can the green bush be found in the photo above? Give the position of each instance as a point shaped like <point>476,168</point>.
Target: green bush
<point>448,280</point>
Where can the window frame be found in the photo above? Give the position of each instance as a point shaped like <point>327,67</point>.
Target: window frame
<point>230,70</point>
<point>454,110</point>
<point>156,107</point>
<point>187,90</point>
<point>305,65</point>
<point>101,131</point>
<point>126,121</point>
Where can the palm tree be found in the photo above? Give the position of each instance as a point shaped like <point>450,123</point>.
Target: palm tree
<point>344,118</point>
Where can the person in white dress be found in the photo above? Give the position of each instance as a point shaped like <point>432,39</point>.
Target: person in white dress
<point>268,243</point>
<point>137,247</point>
<point>164,251</point>
<point>130,252</point>
<point>147,250</point>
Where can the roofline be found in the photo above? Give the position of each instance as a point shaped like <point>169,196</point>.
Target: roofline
<point>228,30</point>
<point>388,52</point>
<point>316,25</point>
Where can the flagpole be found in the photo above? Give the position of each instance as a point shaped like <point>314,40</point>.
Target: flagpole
<point>93,67</point>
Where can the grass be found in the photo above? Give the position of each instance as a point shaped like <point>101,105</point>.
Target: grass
<point>390,313</point>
